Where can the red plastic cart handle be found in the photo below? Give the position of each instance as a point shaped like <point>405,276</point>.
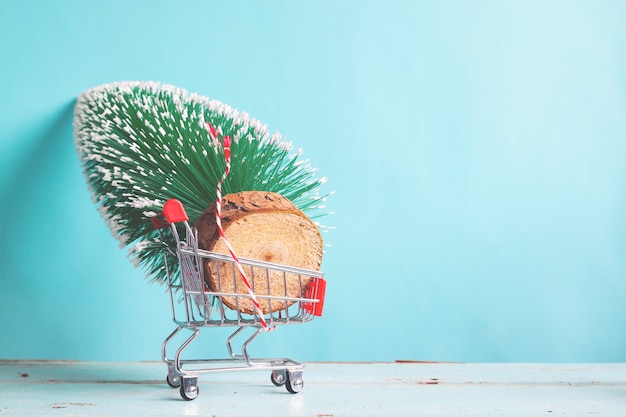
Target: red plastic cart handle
<point>174,211</point>
<point>158,222</point>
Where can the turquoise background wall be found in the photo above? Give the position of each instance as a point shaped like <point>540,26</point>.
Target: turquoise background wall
<point>477,150</point>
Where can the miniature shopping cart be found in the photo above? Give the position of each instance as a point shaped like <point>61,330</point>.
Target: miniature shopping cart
<point>194,306</point>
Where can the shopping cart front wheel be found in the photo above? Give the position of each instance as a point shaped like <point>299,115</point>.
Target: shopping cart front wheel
<point>294,383</point>
<point>189,389</point>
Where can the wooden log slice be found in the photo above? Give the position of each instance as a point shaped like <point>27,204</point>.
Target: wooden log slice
<point>267,227</point>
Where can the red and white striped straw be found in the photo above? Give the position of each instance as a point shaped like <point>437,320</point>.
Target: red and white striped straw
<point>218,221</point>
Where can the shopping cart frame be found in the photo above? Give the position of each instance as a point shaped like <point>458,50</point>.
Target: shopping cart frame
<point>194,307</point>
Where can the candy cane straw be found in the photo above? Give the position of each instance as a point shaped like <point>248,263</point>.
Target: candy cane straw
<point>218,220</point>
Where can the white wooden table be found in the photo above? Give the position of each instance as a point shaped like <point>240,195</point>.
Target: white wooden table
<point>50,388</point>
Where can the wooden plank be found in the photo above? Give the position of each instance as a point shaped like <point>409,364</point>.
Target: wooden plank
<point>49,388</point>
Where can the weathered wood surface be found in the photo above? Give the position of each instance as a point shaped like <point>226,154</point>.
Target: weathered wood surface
<point>50,388</point>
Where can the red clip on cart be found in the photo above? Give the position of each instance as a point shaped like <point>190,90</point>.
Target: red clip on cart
<point>195,307</point>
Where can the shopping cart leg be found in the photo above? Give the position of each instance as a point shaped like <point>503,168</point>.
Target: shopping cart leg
<point>167,340</point>
<point>244,348</point>
<point>177,362</point>
<point>229,345</point>
<point>173,376</point>
<point>188,381</point>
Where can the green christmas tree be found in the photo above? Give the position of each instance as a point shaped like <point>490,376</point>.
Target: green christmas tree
<point>142,143</point>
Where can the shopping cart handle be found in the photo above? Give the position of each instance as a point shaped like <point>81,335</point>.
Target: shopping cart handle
<point>174,211</point>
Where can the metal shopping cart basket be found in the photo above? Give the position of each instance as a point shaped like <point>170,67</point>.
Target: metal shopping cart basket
<point>194,306</point>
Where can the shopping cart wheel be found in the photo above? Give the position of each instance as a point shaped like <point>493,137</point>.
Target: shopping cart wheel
<point>173,382</point>
<point>189,388</point>
<point>279,377</point>
<point>294,381</point>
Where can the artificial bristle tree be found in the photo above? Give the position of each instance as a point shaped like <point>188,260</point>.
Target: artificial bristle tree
<point>142,143</point>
